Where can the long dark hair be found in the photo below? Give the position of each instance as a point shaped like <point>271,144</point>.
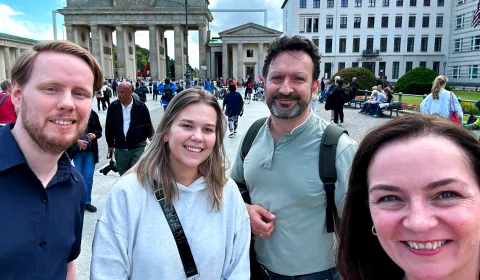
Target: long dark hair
<point>360,255</point>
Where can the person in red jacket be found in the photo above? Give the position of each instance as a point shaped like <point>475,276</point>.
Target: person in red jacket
<point>7,110</point>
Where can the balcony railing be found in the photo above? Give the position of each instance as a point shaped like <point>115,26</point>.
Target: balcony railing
<point>370,53</point>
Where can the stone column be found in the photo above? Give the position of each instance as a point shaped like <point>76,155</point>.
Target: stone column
<point>213,66</point>
<point>8,66</point>
<point>122,72</point>
<point>70,36</point>
<point>225,61</point>
<point>96,44</point>
<point>161,51</point>
<point>18,52</point>
<point>260,60</point>
<point>178,38</point>
<point>202,43</point>
<point>240,67</point>
<point>152,29</point>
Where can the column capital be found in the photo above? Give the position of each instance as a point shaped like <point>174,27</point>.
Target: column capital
<point>150,26</point>
<point>119,27</point>
<point>240,44</point>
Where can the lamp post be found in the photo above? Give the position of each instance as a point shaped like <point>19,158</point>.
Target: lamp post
<point>444,66</point>
<point>187,72</point>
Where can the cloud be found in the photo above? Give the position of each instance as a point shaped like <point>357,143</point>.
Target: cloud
<point>23,28</point>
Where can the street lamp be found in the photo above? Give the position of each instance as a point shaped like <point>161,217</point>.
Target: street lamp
<point>444,66</point>
<point>187,72</point>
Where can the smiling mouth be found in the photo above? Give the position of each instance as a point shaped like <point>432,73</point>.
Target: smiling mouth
<point>60,122</point>
<point>193,149</point>
<point>426,246</point>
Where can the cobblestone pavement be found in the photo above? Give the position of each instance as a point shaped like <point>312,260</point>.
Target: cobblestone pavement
<point>357,125</point>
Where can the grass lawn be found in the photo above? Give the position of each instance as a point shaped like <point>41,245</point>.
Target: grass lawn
<point>466,95</point>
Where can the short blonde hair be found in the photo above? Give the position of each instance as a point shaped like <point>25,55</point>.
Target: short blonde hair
<point>23,66</point>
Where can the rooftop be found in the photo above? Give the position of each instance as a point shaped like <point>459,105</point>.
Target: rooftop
<point>13,37</point>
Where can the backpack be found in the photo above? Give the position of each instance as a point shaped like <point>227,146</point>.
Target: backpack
<point>4,97</point>
<point>99,94</point>
<point>108,92</point>
<point>167,94</point>
<point>250,85</point>
<point>327,170</point>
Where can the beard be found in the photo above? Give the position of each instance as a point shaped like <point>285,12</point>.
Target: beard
<point>284,111</point>
<point>53,144</point>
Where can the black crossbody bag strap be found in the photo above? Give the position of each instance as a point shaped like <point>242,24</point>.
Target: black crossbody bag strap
<point>4,97</point>
<point>178,233</point>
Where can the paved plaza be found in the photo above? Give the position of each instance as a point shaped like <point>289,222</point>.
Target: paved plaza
<point>356,124</point>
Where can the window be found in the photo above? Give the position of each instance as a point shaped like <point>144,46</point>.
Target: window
<point>358,3</point>
<point>330,3</point>
<point>396,44</point>
<point>303,4</point>
<point>371,3</point>
<point>399,3</point>
<point>438,44</point>
<point>329,22</point>
<point>356,45</point>
<point>344,3</point>
<point>456,72</point>
<point>398,21</point>
<point>424,44</point>
<point>410,44</point>
<point>460,2</point>
<point>425,21</point>
<point>408,66</point>
<point>250,53</point>
<point>341,66</point>
<point>342,45</point>
<point>426,3</point>
<point>356,22</point>
<point>458,45</point>
<point>328,45</point>
<point>386,3</point>
<point>475,45</point>
<point>370,44</point>
<point>385,22</point>
<point>315,24</point>
<point>395,69</point>
<point>316,41</point>
<point>343,22</point>
<point>309,25</point>
<point>411,21</point>
<point>328,69</point>
<point>354,64</point>
<point>439,21</point>
<point>460,21</point>
<point>383,44</point>
<point>302,25</point>
<point>371,22</point>
<point>316,3</point>
<point>440,3</point>
<point>413,3</point>
<point>436,66</point>
<point>423,64</point>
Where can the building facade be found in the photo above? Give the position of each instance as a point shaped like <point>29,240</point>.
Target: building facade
<point>389,37</point>
<point>10,48</point>
<point>240,51</point>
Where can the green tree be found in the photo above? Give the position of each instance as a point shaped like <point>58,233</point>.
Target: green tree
<point>142,56</point>
<point>365,77</point>
<point>416,81</point>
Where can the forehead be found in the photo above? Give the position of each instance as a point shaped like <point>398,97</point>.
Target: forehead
<point>292,62</point>
<point>199,113</point>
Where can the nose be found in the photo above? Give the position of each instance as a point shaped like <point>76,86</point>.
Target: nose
<point>197,135</point>
<point>66,102</point>
<point>420,218</point>
<point>285,87</point>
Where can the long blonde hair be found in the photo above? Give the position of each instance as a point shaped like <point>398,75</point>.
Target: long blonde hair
<point>438,83</point>
<point>154,166</point>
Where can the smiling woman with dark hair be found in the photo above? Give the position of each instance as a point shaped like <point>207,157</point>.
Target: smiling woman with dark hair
<point>412,209</point>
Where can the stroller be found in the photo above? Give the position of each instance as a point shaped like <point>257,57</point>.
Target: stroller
<point>259,95</point>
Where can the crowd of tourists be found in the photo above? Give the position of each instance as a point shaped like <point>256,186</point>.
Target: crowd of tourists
<point>398,208</point>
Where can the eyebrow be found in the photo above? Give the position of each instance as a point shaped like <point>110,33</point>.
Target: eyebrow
<point>429,187</point>
<point>190,121</point>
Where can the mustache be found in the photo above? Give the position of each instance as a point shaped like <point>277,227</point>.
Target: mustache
<point>291,96</point>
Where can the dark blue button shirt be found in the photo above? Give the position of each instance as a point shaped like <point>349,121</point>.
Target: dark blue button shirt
<point>234,102</point>
<point>40,228</point>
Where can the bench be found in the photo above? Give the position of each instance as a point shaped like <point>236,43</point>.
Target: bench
<point>394,106</point>
<point>358,100</point>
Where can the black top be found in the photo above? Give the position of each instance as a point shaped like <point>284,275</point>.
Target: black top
<point>140,128</point>
<point>94,127</point>
<point>234,102</point>
<point>41,228</point>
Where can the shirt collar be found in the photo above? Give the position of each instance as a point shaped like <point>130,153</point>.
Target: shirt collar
<point>129,105</point>
<point>300,128</point>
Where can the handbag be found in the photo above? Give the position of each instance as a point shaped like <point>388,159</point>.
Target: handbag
<point>453,116</point>
<point>179,235</point>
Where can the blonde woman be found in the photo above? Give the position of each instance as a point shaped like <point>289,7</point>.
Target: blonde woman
<point>133,239</point>
<point>441,101</point>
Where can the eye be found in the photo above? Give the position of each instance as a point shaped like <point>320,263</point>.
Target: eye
<point>186,125</point>
<point>208,130</point>
<point>388,198</point>
<point>447,195</point>
<point>79,94</point>
<point>50,89</point>
<point>300,79</point>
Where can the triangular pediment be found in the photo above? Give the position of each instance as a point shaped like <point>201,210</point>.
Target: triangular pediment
<point>250,29</point>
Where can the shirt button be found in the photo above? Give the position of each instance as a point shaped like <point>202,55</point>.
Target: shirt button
<point>44,199</point>
<point>42,244</point>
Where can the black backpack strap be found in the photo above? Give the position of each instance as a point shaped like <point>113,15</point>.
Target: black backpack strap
<point>178,234</point>
<point>4,97</point>
<point>250,136</point>
<point>328,171</point>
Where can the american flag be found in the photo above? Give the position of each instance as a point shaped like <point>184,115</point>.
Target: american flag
<point>476,15</point>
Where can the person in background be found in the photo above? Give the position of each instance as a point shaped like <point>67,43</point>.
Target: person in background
<point>187,160</point>
<point>234,103</point>
<point>476,124</point>
<point>114,87</point>
<point>106,93</point>
<point>168,91</point>
<point>155,90</point>
<point>354,86</point>
<point>322,90</point>
<point>337,100</point>
<point>7,110</point>
<point>413,203</point>
<point>329,92</point>
<point>208,86</point>
<point>142,92</point>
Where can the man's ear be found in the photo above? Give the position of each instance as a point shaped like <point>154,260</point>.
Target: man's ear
<point>16,95</point>
<point>315,85</point>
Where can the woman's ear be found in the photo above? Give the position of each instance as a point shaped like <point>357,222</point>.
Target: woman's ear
<point>165,137</point>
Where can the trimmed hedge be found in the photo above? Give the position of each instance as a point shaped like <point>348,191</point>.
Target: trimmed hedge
<point>416,81</point>
<point>365,77</point>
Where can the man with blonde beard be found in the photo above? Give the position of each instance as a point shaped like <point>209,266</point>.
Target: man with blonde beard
<point>42,195</point>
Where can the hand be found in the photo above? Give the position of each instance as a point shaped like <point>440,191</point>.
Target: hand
<point>261,221</point>
<point>91,136</point>
<point>110,150</point>
<point>82,144</point>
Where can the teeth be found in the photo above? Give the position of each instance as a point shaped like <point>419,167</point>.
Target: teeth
<point>63,122</point>
<point>195,150</point>
<point>426,246</point>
